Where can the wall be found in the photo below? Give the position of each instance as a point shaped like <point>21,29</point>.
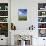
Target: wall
<point>32,9</point>
<point>32,6</point>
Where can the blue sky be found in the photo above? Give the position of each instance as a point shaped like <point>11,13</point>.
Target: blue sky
<point>22,12</point>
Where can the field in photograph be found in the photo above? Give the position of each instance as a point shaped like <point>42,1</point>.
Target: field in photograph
<point>22,17</point>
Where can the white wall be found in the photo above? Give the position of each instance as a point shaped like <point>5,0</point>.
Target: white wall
<point>32,7</point>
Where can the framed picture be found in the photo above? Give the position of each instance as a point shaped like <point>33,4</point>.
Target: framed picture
<point>3,19</point>
<point>22,14</point>
<point>4,29</point>
<point>41,6</point>
<point>41,25</point>
<point>42,32</point>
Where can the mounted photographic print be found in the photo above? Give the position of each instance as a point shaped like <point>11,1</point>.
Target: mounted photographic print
<point>4,29</point>
<point>42,33</point>
<point>22,14</point>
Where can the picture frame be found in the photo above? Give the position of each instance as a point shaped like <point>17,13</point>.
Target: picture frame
<point>22,14</point>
